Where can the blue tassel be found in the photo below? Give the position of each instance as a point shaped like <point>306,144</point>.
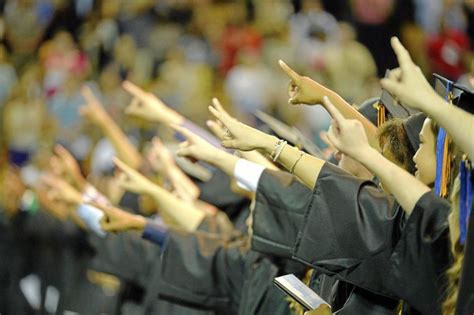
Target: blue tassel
<point>439,160</point>
<point>465,199</point>
<point>440,141</point>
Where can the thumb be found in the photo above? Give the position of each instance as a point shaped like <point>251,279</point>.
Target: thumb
<point>294,100</point>
<point>185,151</point>
<point>229,144</point>
<point>133,106</point>
<point>394,88</point>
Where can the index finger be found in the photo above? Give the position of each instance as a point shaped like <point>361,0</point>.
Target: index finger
<point>122,166</point>
<point>217,105</point>
<point>333,111</point>
<point>63,154</point>
<point>134,90</point>
<point>403,56</point>
<point>219,115</point>
<point>89,95</point>
<point>184,131</point>
<point>216,129</point>
<point>290,72</point>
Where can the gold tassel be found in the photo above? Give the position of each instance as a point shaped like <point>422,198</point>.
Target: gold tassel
<point>445,170</point>
<point>380,113</point>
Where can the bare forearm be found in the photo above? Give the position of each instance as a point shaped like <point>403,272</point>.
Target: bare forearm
<point>224,161</point>
<point>458,123</point>
<point>185,214</point>
<point>125,150</point>
<point>257,157</point>
<point>349,112</point>
<point>304,166</point>
<point>404,186</point>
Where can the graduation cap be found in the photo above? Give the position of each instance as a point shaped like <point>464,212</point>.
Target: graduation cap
<point>463,98</point>
<point>369,110</point>
<point>444,88</point>
<point>465,101</point>
<point>412,126</point>
<point>390,107</point>
<point>290,134</point>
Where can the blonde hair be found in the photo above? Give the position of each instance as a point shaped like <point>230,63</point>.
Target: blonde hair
<point>454,272</point>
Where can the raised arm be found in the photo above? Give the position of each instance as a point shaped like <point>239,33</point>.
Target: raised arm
<point>242,137</point>
<point>149,107</point>
<point>94,111</point>
<point>183,213</point>
<point>348,136</point>
<point>253,156</point>
<point>408,84</point>
<point>303,90</point>
<point>184,187</point>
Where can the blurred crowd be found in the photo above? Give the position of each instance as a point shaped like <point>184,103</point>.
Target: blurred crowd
<point>57,56</point>
<point>185,50</point>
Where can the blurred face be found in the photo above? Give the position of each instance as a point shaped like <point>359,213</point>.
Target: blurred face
<point>425,157</point>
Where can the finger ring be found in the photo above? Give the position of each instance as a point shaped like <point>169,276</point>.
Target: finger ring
<point>227,133</point>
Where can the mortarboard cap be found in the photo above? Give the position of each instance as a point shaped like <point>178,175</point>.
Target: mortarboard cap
<point>413,125</point>
<point>368,109</point>
<point>465,100</point>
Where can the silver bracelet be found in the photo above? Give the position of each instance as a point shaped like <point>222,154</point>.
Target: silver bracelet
<point>279,149</point>
<point>296,162</point>
<point>275,147</point>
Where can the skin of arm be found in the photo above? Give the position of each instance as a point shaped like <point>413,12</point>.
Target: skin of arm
<point>61,196</point>
<point>182,184</point>
<point>252,156</point>
<point>94,111</point>
<point>458,123</point>
<point>304,90</point>
<point>404,186</point>
<point>348,136</point>
<point>408,85</point>
<point>183,213</point>
<point>245,138</point>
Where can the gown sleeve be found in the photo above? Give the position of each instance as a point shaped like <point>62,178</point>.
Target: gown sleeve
<point>465,303</point>
<point>125,255</point>
<point>197,269</point>
<point>348,220</point>
<point>279,208</point>
<point>422,256</point>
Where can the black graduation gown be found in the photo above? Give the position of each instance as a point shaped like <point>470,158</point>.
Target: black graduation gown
<point>366,242</point>
<point>204,270</point>
<point>14,264</point>
<point>280,206</point>
<point>217,192</point>
<point>135,261</point>
<point>465,304</point>
<point>422,256</point>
